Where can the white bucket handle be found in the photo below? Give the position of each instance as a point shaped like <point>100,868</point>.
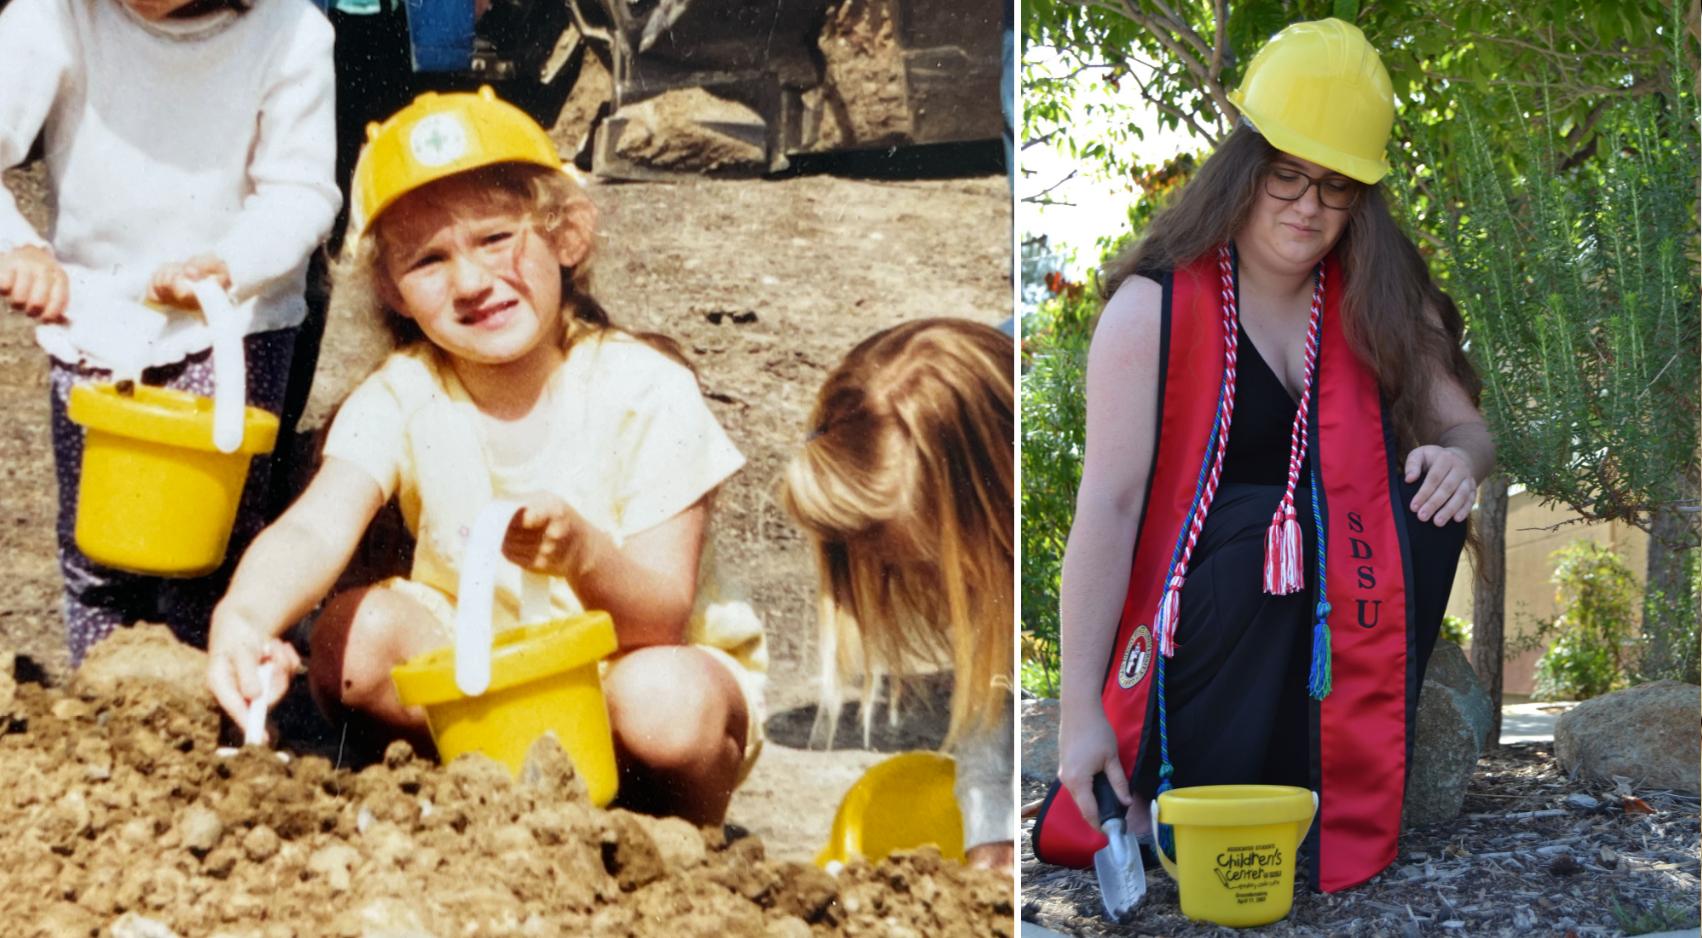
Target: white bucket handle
<point>230,366</point>
<point>477,593</point>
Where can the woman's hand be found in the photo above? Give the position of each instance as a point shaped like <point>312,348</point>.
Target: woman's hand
<point>1087,746</point>
<point>548,536</point>
<point>1449,490</point>
<point>32,279</point>
<point>236,653</point>
<point>171,284</point>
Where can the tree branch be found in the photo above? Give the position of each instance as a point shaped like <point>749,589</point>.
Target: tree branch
<point>1040,197</point>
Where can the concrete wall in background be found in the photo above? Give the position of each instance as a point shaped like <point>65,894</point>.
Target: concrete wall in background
<point>1531,538</point>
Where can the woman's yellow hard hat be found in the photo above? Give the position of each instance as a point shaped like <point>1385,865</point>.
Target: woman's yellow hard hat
<point>440,135</point>
<point>1319,91</point>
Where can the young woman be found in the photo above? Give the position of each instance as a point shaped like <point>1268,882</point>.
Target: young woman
<point>1283,446</point>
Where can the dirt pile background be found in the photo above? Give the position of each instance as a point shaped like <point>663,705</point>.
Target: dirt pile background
<point>120,807</point>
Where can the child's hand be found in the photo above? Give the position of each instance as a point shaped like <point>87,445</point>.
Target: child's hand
<point>550,537</point>
<point>236,652</point>
<point>35,283</point>
<point>171,283</point>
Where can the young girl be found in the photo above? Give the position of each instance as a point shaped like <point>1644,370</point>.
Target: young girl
<point>473,242</point>
<point>184,139</point>
<point>906,485</point>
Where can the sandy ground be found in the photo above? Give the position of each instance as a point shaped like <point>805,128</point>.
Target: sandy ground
<point>821,262</point>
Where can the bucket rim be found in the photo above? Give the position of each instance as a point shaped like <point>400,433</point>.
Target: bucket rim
<point>1235,805</point>
<point>518,656</point>
<point>165,416</point>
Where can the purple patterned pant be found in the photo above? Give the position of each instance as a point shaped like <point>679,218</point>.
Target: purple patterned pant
<point>99,599</point>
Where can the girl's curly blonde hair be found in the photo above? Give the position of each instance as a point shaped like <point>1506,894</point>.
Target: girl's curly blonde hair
<point>906,485</point>
<point>550,198</point>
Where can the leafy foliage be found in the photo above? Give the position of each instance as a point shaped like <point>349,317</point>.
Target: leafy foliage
<point>1678,615</point>
<point>1054,440</point>
<point>1581,292</point>
<point>1597,626</point>
<point>1182,58</point>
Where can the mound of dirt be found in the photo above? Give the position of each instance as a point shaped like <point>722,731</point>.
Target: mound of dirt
<point>124,819</point>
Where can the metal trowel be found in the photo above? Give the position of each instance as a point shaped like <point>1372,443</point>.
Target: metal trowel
<point>1122,878</point>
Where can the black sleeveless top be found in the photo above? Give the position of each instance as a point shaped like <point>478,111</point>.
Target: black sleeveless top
<point>1259,427</point>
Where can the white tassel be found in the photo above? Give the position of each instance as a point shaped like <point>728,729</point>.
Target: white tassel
<point>1282,554</point>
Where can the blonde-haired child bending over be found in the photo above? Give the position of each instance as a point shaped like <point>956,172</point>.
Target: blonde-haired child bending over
<point>470,239</point>
<point>905,484</point>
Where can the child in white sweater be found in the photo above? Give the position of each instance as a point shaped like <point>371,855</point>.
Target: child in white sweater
<point>184,139</point>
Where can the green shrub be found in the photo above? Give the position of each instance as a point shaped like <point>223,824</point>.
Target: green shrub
<point>1596,630</point>
<point>1054,438</point>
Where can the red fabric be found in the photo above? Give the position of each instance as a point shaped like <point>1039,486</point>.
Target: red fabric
<point>1362,733</point>
<point>1362,723</point>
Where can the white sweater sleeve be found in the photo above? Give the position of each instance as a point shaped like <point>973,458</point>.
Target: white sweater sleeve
<point>292,172</point>
<point>35,68</point>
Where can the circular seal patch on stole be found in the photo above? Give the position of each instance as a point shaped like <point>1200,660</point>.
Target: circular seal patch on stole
<point>1136,658</point>
<point>437,140</point>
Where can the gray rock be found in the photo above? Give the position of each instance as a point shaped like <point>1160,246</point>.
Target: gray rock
<point>1454,720</point>
<point>1651,734</point>
<point>1040,738</point>
<point>690,130</point>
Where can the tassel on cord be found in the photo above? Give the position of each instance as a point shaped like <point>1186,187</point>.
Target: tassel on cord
<point>1318,681</point>
<point>1282,553</point>
<point>1283,574</point>
<point>1211,466</point>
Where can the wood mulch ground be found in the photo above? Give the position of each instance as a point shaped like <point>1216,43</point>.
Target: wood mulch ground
<point>1533,852</point>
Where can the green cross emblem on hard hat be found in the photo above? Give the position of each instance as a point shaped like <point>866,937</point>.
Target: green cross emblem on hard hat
<point>437,140</point>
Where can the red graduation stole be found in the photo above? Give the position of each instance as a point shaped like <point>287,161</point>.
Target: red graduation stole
<point>1362,731</point>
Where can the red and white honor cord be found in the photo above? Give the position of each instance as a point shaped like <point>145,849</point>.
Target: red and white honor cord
<point>1283,570</point>
<point>1170,603</point>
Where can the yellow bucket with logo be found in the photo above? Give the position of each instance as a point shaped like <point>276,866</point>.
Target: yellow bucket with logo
<point>1235,845</point>
<point>543,680</point>
<point>156,496</point>
<point>902,803</point>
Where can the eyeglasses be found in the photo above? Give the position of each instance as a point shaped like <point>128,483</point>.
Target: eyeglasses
<point>1288,184</point>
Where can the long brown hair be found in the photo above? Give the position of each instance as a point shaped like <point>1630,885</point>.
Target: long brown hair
<point>1399,323</point>
<point>906,485</point>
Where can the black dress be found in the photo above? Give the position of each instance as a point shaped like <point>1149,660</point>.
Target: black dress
<point>1235,691</point>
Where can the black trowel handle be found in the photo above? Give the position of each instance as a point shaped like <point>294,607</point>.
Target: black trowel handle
<point>1110,806</point>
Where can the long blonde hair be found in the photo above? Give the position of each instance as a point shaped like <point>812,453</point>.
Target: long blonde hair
<point>906,486</point>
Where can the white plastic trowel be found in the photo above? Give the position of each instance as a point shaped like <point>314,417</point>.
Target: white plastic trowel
<point>1122,878</point>
<point>230,368</point>
<point>477,594</point>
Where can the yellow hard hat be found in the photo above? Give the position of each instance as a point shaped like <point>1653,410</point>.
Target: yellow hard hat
<point>1319,91</point>
<point>440,135</point>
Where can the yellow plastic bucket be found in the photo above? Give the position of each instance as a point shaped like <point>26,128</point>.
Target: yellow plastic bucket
<point>156,496</point>
<point>902,803</point>
<point>1235,849</point>
<point>543,680</point>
